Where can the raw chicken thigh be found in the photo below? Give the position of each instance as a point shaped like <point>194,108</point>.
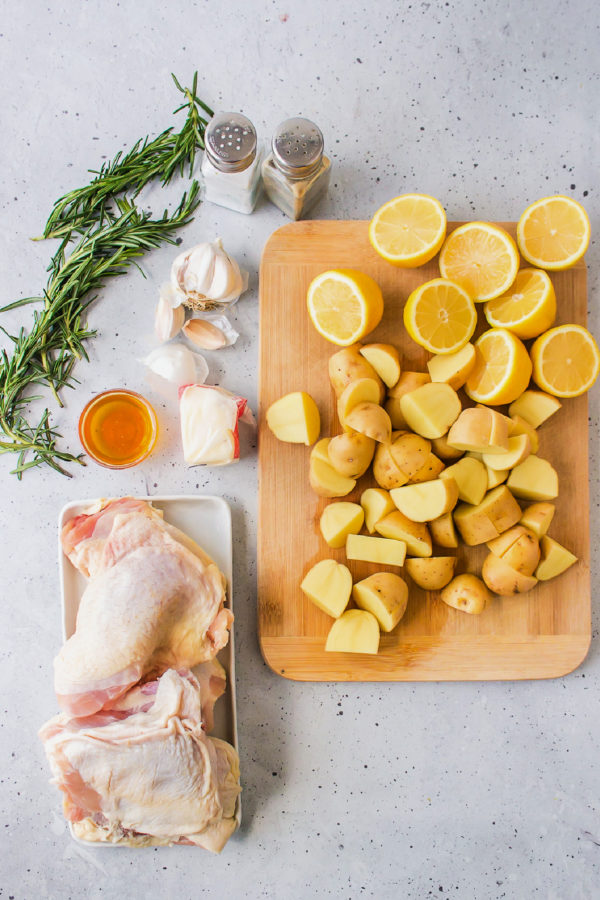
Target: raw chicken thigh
<point>145,772</point>
<point>154,601</point>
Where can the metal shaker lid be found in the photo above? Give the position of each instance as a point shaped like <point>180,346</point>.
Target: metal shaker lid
<point>230,141</point>
<point>297,147</point>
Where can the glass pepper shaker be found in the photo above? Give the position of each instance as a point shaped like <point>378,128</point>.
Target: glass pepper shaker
<point>231,163</point>
<point>296,173</point>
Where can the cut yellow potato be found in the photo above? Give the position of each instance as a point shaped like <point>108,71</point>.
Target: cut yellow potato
<point>372,420</point>
<point>398,527</point>
<point>431,409</point>
<point>521,426</point>
<point>482,258</point>
<point>502,368</point>
<point>432,468</point>
<point>519,448</point>
<point>376,504</point>
<point>534,479</point>
<point>467,593</point>
<point>479,430</point>
<point>385,595</point>
<point>554,232</point>
<point>566,360</point>
<point>535,407</point>
<point>427,501</point>
<point>440,316</point>
<point>452,368</point>
<point>385,360</point>
<point>375,549</point>
<point>321,451</point>
<point>294,418</point>
<point>496,477</point>
<point>407,382</point>
<point>529,306</point>
<point>338,520</point>
<point>348,365</point>
<point>443,531</point>
<point>555,559</point>
<point>344,305</point>
<point>409,230</point>
<point>431,574</point>
<point>386,472</point>
<point>326,482</point>
<point>471,478</point>
<point>518,547</point>
<point>497,512</point>
<point>351,453</point>
<point>363,390</point>
<point>442,448</point>
<point>329,585</point>
<point>410,452</point>
<point>538,518</point>
<point>356,631</point>
<point>502,579</point>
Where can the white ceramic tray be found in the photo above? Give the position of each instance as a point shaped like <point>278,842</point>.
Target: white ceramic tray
<point>207,520</point>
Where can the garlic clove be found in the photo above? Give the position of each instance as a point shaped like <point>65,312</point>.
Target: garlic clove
<point>226,277</point>
<point>168,320</point>
<point>177,364</point>
<point>204,334</point>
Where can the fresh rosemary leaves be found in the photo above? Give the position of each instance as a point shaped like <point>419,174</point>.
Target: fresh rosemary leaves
<point>102,232</point>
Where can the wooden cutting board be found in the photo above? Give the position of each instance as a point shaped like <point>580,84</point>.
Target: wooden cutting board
<point>543,634</point>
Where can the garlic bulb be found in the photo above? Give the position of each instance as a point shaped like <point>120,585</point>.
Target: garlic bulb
<point>177,364</point>
<point>168,320</point>
<point>206,277</point>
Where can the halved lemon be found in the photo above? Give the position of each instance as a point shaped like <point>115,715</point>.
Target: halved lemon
<point>344,305</point>
<point>527,308</point>
<point>409,230</point>
<point>566,361</point>
<point>502,368</point>
<point>440,316</point>
<point>482,258</point>
<point>554,232</point>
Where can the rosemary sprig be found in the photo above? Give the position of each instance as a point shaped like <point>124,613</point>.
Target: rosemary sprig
<point>102,233</point>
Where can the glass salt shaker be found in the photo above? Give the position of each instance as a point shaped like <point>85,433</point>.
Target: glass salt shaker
<point>231,163</point>
<point>296,173</point>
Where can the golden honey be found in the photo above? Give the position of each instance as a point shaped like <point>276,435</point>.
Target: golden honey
<point>118,429</point>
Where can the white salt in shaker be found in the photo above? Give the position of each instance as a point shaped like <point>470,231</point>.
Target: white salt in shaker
<point>231,167</point>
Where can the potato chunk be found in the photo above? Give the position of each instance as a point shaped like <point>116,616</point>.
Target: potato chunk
<point>338,520</point>
<point>519,448</point>
<point>538,517</point>
<point>502,579</point>
<point>386,472</point>
<point>535,407</point>
<point>442,448</point>
<point>414,534</point>
<point>534,479</point>
<point>431,409</point>
<point>329,585</point>
<point>496,477</point>
<point>326,482</point>
<point>432,468</point>
<point>518,547</point>
<point>321,450</point>
<point>467,593</point>
<point>521,426</point>
<point>431,574</point>
<point>351,453</point>
<point>376,503</point>
<point>294,418</point>
<point>371,420</point>
<point>471,477</point>
<point>385,360</point>
<point>363,390</point>
<point>348,365</point>
<point>427,501</point>
<point>410,452</point>
<point>555,560</point>
<point>407,382</point>
<point>385,595</point>
<point>356,631</point>
<point>497,512</point>
<point>443,531</point>
<point>375,549</point>
<point>453,368</point>
<point>480,430</point>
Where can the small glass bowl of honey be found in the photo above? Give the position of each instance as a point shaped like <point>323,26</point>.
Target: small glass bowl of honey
<point>118,429</point>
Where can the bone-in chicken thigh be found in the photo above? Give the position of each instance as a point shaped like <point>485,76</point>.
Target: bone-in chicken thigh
<point>153,602</point>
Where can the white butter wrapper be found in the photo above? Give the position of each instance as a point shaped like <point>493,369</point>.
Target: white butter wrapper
<point>209,424</point>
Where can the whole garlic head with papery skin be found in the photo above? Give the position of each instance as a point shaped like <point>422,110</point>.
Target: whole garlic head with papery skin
<point>206,277</point>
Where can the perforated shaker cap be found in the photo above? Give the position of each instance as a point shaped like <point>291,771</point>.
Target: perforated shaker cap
<point>230,141</point>
<point>297,147</point>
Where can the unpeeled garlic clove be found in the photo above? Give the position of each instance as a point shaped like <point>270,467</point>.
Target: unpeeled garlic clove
<point>168,320</point>
<point>204,334</point>
<point>177,364</point>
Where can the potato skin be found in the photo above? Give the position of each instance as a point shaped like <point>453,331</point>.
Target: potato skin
<point>372,420</point>
<point>432,573</point>
<point>467,593</point>
<point>348,365</point>
<point>351,453</point>
<point>502,579</point>
<point>385,471</point>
